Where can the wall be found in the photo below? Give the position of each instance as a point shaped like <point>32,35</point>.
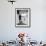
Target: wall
<point>37,30</point>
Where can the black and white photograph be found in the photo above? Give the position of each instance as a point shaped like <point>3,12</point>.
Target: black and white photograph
<point>22,17</point>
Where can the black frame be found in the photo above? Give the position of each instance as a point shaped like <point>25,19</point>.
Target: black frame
<point>29,18</point>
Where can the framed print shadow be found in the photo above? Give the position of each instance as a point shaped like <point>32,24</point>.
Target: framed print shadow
<point>22,17</point>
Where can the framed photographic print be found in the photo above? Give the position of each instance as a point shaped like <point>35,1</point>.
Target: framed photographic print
<point>22,17</point>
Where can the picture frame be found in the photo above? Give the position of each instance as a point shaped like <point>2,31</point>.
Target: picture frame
<point>22,17</point>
